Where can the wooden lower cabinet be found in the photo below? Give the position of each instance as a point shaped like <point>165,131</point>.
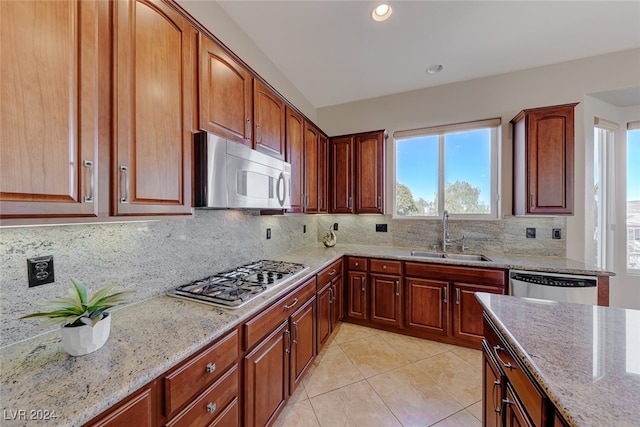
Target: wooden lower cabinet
<point>427,305</point>
<point>493,384</point>
<point>467,311</point>
<point>357,295</point>
<point>386,300</point>
<point>514,413</point>
<point>139,409</point>
<point>303,342</point>
<point>330,301</point>
<point>266,386</point>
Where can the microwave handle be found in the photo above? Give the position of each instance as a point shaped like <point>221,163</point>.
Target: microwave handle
<point>284,190</point>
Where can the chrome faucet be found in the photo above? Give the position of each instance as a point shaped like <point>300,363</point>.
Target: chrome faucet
<point>446,241</point>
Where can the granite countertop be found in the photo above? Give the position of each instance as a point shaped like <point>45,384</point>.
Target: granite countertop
<point>586,358</point>
<point>150,337</point>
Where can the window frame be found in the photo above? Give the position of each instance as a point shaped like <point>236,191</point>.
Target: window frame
<point>495,126</point>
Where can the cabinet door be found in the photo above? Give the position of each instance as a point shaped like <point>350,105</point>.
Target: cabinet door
<point>269,117</point>
<point>386,300</point>
<point>52,113</point>
<point>295,156</point>
<point>337,306</point>
<point>427,305</point>
<point>153,85</point>
<point>369,176</point>
<point>323,173</point>
<point>139,409</point>
<point>266,373</point>
<point>492,392</point>
<point>225,93</point>
<point>310,168</point>
<point>325,297</point>
<point>303,342</point>
<point>357,297</point>
<point>467,311</point>
<point>341,175</point>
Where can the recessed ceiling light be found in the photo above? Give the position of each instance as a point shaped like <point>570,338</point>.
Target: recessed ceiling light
<point>381,12</point>
<point>435,69</point>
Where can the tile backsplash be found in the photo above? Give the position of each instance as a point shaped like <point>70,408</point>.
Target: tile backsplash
<point>151,257</point>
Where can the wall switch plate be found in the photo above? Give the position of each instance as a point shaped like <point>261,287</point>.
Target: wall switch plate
<point>556,234</point>
<point>304,228</point>
<point>381,228</point>
<point>40,270</point>
<point>268,233</point>
<point>335,226</point>
<point>531,233</point>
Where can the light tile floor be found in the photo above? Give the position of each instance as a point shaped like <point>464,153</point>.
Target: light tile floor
<point>368,378</point>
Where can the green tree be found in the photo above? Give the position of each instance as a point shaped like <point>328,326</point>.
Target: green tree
<point>405,204</point>
<point>462,197</point>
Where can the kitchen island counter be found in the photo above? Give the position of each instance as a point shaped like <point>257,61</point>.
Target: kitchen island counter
<point>585,358</point>
<point>150,337</point>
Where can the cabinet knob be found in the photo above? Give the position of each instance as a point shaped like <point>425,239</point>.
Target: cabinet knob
<point>211,367</point>
<point>211,407</point>
<point>357,264</point>
<point>384,267</point>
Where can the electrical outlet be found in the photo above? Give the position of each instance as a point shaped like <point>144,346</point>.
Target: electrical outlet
<point>557,234</point>
<point>381,228</point>
<point>268,233</point>
<point>304,228</point>
<point>531,233</point>
<point>335,226</point>
<point>40,270</point>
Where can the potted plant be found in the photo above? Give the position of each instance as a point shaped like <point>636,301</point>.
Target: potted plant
<point>85,321</point>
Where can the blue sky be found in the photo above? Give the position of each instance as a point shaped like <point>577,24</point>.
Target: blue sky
<point>633,165</point>
<point>467,158</point>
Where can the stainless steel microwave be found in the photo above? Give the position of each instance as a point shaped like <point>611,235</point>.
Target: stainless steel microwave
<point>231,175</point>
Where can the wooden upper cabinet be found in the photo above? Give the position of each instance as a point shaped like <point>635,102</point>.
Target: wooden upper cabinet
<point>52,113</point>
<point>152,90</point>
<point>369,172</point>
<point>323,173</point>
<point>226,89</point>
<point>543,161</point>
<point>342,175</point>
<point>311,135</point>
<point>295,156</point>
<point>269,120</point>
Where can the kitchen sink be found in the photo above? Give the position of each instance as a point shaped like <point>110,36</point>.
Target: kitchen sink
<point>427,254</point>
<point>458,257</point>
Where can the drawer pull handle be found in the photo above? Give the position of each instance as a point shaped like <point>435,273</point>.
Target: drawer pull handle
<point>332,272</point>
<point>211,367</point>
<point>211,407</point>
<point>497,348</point>
<point>295,301</point>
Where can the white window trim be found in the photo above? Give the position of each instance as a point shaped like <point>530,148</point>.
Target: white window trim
<point>495,125</point>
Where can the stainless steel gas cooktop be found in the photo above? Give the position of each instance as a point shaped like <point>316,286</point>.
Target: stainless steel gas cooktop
<point>236,287</point>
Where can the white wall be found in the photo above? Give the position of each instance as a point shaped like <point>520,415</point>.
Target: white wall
<point>216,20</point>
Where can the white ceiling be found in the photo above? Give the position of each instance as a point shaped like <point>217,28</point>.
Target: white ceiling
<point>333,52</point>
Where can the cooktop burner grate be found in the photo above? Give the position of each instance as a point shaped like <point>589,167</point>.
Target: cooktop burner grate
<point>236,287</point>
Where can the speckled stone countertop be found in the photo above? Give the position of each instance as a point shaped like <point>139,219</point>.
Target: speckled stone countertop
<point>150,337</point>
<point>586,358</point>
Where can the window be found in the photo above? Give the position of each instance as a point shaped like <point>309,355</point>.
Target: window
<point>603,191</point>
<point>452,167</point>
<point>633,197</point>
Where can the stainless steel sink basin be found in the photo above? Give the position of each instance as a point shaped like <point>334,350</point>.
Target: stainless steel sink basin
<point>427,254</point>
<point>458,257</point>
<point>467,257</point>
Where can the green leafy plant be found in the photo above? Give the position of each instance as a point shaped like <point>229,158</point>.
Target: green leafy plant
<point>77,309</point>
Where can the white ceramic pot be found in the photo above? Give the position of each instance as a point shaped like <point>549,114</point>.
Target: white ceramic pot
<point>81,340</point>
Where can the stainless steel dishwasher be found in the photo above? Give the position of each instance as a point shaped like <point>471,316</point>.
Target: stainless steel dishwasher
<point>554,286</point>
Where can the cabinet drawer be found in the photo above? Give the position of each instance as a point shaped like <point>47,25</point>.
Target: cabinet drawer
<point>357,264</point>
<point>329,273</point>
<point>479,275</point>
<point>385,266</point>
<point>212,403</point>
<point>531,397</point>
<point>258,327</point>
<point>182,384</point>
